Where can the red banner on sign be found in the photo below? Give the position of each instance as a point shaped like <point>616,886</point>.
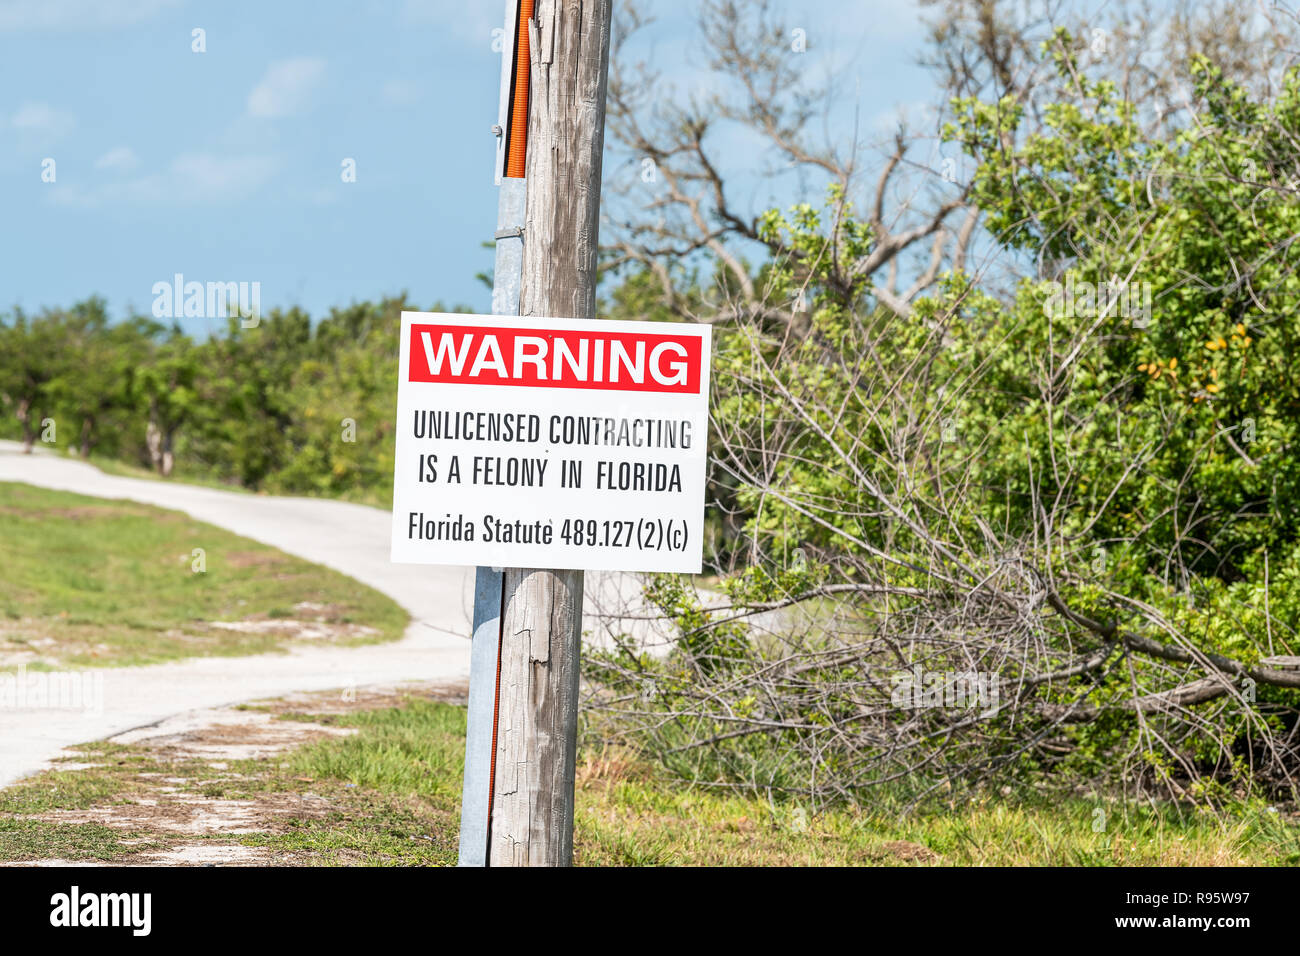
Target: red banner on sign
<point>551,358</point>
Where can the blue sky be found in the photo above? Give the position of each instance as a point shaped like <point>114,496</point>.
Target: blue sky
<point>225,165</point>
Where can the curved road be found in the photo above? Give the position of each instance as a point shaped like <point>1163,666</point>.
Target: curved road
<point>351,538</point>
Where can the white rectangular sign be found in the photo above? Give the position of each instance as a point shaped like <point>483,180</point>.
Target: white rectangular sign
<point>551,443</point>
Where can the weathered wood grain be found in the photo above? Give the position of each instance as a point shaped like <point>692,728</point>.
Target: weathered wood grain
<point>532,814</point>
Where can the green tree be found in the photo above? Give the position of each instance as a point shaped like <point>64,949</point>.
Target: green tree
<point>165,392</point>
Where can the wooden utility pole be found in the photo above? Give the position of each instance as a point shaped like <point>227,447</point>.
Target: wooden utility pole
<point>541,621</point>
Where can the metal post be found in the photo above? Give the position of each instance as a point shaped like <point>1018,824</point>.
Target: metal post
<point>476,796</point>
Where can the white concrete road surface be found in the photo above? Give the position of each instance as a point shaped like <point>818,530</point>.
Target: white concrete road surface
<point>351,538</point>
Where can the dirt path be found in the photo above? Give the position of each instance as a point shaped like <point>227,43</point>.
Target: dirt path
<point>353,539</point>
<point>207,787</point>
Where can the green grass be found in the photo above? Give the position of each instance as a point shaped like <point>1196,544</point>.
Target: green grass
<point>417,750</point>
<point>63,790</point>
<point>89,582</point>
<point>126,469</point>
<point>35,840</point>
<point>642,822</point>
<point>626,815</point>
<point>397,780</point>
<point>381,498</point>
<point>371,831</point>
<point>393,793</point>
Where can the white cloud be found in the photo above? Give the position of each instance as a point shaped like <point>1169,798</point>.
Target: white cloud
<point>119,157</point>
<point>286,87</point>
<point>192,178</point>
<point>219,177</point>
<point>41,118</point>
<point>17,15</point>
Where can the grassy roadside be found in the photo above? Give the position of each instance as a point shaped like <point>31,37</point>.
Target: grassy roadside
<point>377,782</point>
<point>382,499</point>
<point>89,582</point>
<point>125,469</point>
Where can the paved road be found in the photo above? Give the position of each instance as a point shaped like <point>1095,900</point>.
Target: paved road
<point>351,538</point>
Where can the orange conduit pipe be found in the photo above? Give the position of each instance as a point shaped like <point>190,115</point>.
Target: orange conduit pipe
<point>517,140</point>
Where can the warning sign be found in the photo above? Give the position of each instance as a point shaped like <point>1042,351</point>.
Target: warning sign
<point>551,443</point>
